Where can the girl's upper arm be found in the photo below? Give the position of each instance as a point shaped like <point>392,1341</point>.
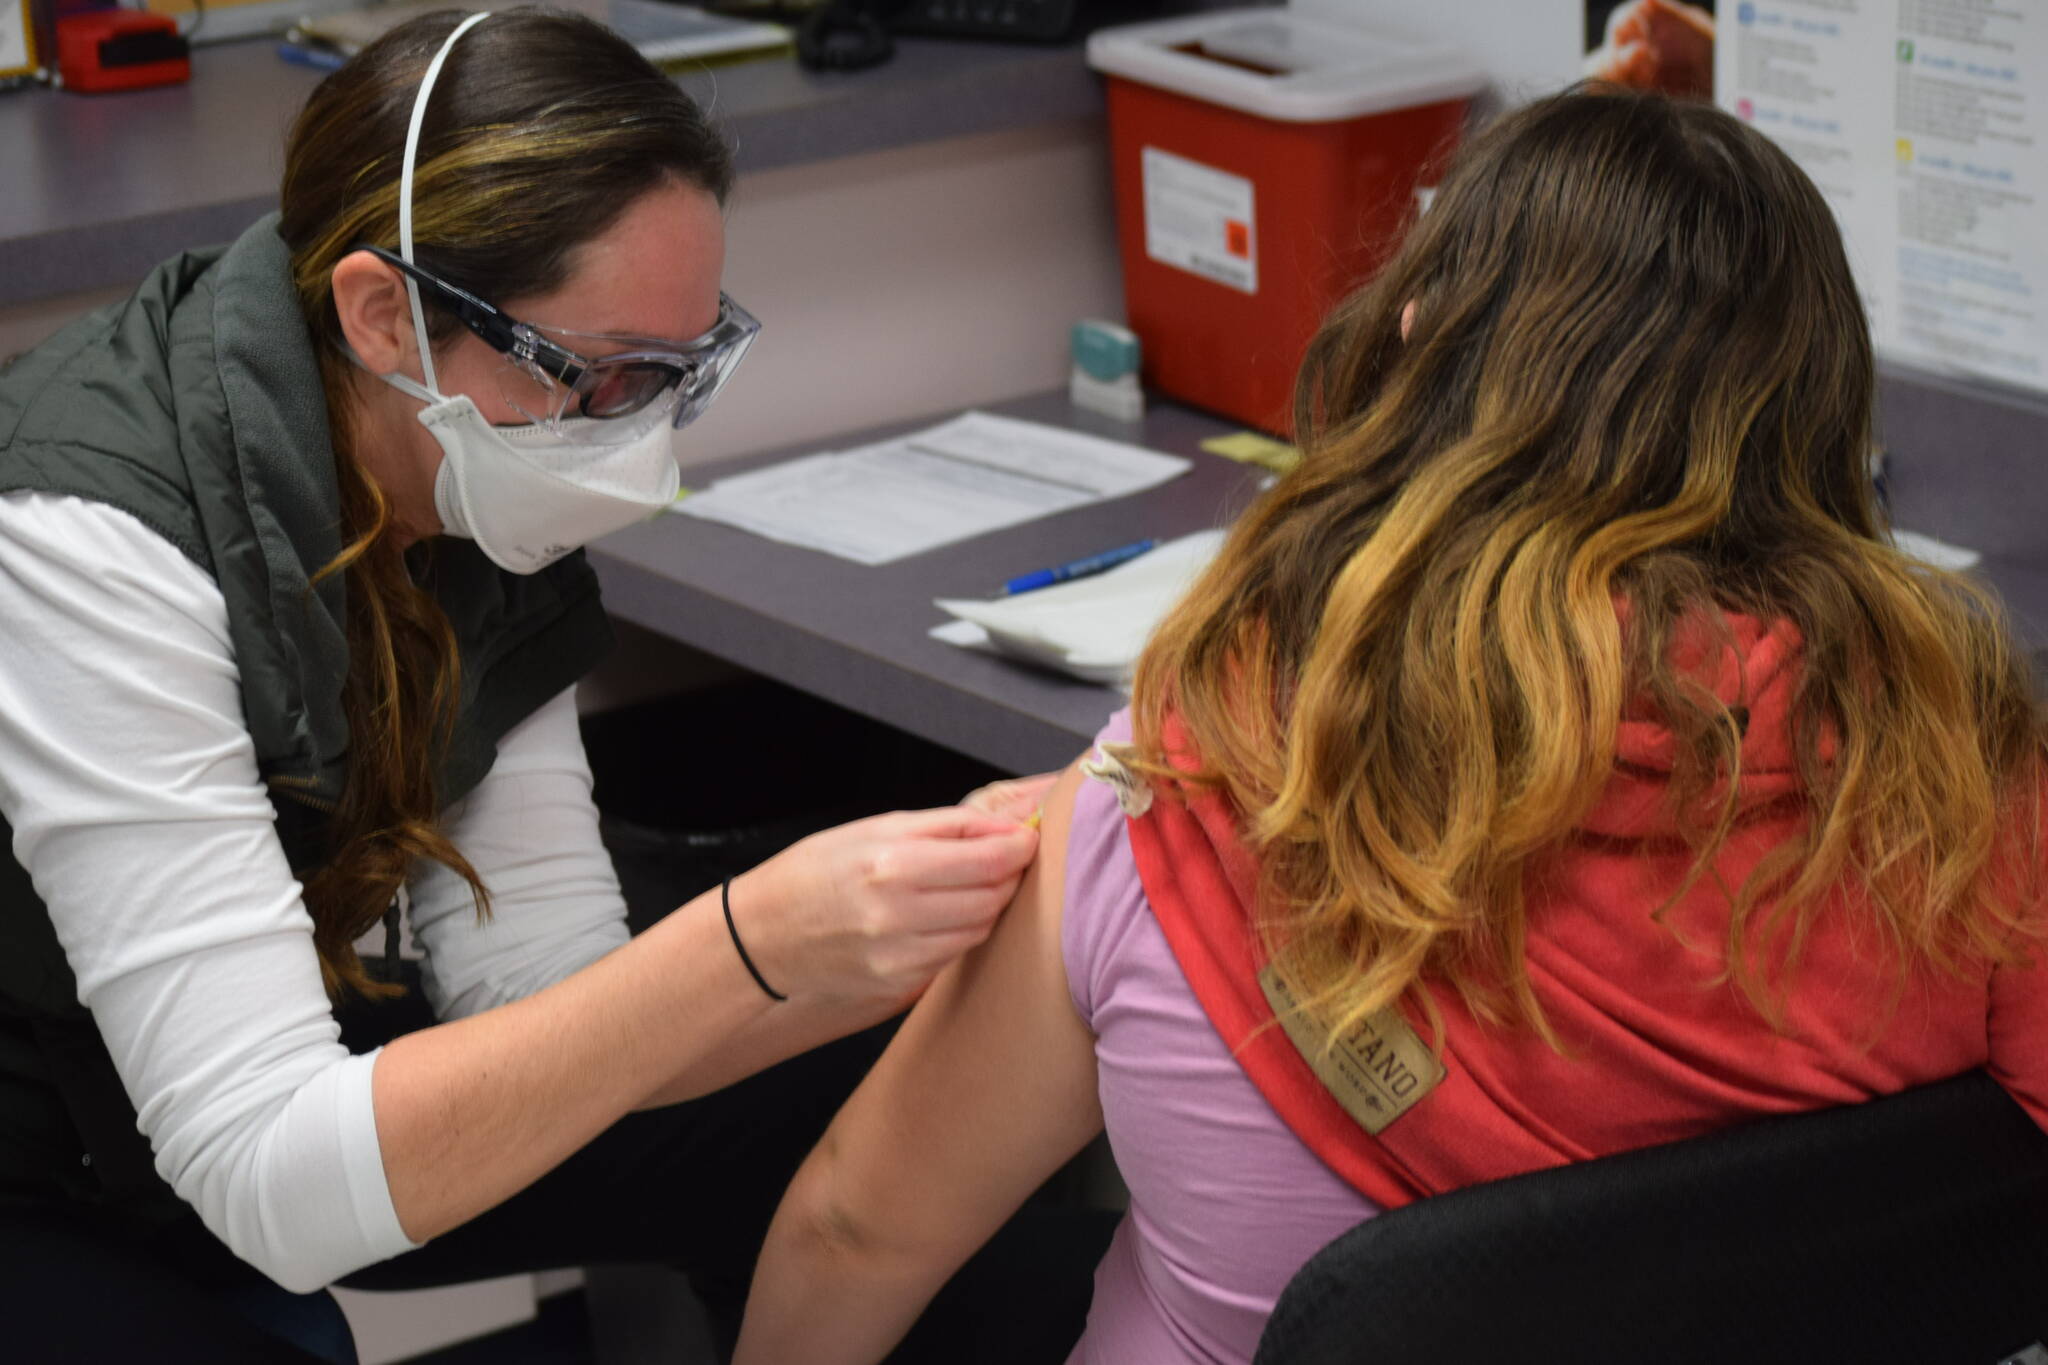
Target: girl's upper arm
<point>989,1087</point>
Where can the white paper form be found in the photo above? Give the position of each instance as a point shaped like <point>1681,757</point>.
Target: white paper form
<point>963,478</point>
<point>1925,123</point>
<point>1092,628</point>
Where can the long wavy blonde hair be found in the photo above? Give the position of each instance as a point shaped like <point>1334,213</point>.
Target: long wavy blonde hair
<point>1638,372</point>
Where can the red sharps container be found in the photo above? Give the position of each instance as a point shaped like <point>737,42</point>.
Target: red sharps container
<point>1265,166</point>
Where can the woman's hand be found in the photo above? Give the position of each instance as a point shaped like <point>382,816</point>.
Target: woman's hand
<point>872,910</point>
<point>1665,45</point>
<point>1015,798</point>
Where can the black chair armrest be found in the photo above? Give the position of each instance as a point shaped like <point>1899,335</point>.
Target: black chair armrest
<point>1912,1229</point>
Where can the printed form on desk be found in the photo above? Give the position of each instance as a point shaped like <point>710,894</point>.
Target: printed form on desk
<point>974,474</point>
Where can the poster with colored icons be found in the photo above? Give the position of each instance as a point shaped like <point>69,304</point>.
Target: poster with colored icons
<point>1925,122</point>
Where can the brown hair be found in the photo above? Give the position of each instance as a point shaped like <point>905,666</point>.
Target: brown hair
<point>542,128</point>
<point>1638,371</point>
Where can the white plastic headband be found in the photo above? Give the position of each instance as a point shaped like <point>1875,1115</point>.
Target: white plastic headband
<point>412,146</point>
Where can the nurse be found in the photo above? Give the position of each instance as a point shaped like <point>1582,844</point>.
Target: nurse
<point>294,610</point>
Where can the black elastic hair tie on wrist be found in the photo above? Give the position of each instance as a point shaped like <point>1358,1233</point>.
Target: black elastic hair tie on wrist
<point>725,900</point>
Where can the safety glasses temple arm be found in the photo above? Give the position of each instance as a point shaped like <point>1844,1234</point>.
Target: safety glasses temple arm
<point>497,329</point>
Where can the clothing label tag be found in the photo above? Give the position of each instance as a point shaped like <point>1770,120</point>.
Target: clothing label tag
<point>1378,1073</point>
<point>1200,219</point>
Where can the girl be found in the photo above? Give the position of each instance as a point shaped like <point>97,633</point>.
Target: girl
<point>1560,761</point>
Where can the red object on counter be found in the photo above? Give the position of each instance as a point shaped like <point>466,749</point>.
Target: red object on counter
<point>1265,165</point>
<point>121,49</point>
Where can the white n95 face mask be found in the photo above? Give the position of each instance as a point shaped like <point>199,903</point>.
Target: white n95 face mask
<point>526,495</point>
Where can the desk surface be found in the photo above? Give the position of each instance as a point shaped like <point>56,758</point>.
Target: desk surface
<point>96,189</point>
<point>856,634</point>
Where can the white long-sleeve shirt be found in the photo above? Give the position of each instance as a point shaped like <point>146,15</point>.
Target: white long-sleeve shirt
<point>131,786</point>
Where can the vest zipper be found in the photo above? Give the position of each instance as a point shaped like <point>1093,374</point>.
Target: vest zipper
<point>289,787</point>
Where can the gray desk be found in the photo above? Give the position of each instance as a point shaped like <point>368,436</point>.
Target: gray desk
<point>94,190</point>
<point>856,635</point>
<point>1969,464</point>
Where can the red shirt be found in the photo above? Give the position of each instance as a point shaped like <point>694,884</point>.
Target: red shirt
<point>1658,1045</point>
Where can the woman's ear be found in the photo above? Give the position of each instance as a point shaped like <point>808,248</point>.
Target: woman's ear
<point>375,314</point>
<point>1407,318</point>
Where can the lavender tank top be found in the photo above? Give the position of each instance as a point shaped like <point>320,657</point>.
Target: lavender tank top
<point>1226,1203</point>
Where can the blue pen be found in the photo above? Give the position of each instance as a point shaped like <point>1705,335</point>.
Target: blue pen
<point>1079,568</point>
<point>304,54</point>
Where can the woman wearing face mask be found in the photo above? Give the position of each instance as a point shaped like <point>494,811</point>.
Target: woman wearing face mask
<point>294,617</point>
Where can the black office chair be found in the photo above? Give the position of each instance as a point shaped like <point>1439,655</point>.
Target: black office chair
<point>1912,1229</point>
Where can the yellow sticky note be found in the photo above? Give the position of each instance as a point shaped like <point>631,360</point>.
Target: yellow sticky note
<point>1248,447</point>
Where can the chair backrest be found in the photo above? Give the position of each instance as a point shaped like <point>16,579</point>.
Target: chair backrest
<point>1912,1229</point>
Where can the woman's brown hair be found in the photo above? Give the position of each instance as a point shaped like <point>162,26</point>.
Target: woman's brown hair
<point>543,127</point>
<point>1638,373</point>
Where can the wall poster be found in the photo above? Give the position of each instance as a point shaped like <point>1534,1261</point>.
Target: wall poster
<point>18,60</point>
<point>1925,122</point>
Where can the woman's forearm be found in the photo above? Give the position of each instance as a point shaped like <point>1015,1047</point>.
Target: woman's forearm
<point>471,1112</point>
<point>774,1037</point>
<point>847,923</point>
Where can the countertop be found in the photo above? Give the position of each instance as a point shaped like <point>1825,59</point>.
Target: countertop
<point>96,189</point>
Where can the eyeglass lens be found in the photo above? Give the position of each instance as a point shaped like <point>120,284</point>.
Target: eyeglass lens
<point>622,390</point>
<point>604,392</point>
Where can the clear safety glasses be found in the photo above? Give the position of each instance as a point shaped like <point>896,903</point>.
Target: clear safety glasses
<point>617,396</point>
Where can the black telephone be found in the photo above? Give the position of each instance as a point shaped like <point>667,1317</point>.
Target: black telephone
<point>1040,20</point>
<point>1019,20</point>
<point>846,35</point>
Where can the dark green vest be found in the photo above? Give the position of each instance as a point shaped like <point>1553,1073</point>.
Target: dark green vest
<point>196,406</point>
